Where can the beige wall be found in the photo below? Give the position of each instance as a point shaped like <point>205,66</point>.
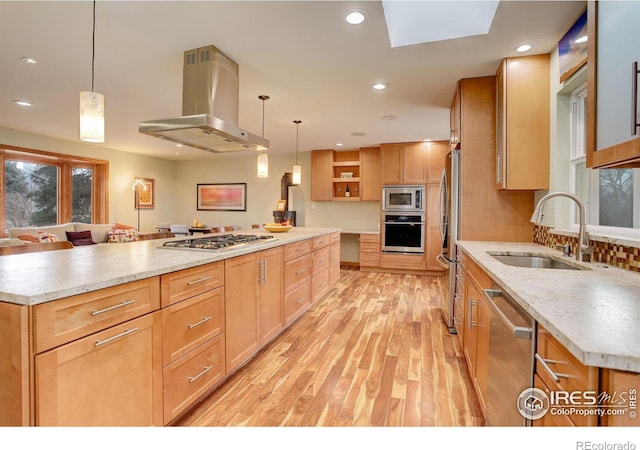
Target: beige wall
<point>175,186</point>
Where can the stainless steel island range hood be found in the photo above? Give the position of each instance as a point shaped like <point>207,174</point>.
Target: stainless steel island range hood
<point>210,96</point>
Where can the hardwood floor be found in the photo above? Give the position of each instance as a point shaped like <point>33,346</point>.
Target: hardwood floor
<point>373,352</point>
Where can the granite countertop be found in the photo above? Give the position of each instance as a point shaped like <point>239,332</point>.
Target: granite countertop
<point>594,313</point>
<point>32,278</point>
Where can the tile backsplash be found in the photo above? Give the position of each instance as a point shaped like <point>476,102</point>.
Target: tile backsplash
<point>622,256</point>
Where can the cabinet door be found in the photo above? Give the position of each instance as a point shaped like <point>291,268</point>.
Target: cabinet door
<point>321,175</point>
<point>415,163</point>
<point>436,160</point>
<point>110,378</point>
<point>472,302</point>
<point>241,309</point>
<point>612,137</point>
<point>391,158</point>
<point>370,185</point>
<point>270,291</point>
<point>482,349</point>
<point>334,263</point>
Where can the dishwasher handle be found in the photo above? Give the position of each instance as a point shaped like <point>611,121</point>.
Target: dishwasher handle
<point>518,332</point>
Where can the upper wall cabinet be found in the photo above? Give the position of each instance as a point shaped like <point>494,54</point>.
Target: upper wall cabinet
<point>404,163</point>
<point>351,175</point>
<point>612,92</point>
<point>522,123</point>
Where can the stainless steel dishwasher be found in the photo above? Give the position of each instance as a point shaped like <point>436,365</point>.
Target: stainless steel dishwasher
<point>510,366</point>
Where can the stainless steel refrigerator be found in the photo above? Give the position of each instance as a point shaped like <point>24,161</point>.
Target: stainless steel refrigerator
<point>449,215</point>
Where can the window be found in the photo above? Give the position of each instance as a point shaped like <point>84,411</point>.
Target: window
<point>41,188</point>
<point>606,193</point>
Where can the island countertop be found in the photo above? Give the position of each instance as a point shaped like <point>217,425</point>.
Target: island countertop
<point>32,278</point>
<point>593,312</point>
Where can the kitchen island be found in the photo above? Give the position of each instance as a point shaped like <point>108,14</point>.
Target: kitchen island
<point>133,334</point>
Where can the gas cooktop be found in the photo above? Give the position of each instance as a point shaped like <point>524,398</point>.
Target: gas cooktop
<point>216,243</point>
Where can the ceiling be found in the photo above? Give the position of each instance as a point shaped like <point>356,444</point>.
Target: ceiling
<point>312,64</point>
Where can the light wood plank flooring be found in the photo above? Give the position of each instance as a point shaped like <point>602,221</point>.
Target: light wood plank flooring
<point>373,352</point>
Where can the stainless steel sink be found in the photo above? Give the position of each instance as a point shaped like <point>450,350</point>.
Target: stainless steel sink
<point>537,262</point>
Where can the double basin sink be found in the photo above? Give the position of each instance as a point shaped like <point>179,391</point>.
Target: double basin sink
<point>533,261</point>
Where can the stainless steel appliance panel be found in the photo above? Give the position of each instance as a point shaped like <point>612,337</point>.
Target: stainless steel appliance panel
<point>403,198</point>
<point>403,233</point>
<point>510,368</point>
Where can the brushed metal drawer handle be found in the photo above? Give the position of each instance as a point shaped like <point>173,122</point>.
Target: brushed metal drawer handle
<point>322,284</point>
<point>545,365</point>
<point>206,369</point>
<point>301,271</point>
<point>95,312</point>
<point>301,299</point>
<point>200,280</point>
<point>117,336</point>
<point>200,322</point>
<point>300,249</point>
<point>320,261</point>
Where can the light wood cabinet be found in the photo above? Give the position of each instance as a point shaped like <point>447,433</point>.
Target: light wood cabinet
<point>522,123</point>
<point>297,279</point>
<point>320,267</point>
<point>559,370</point>
<point>402,262</point>
<point>252,282</point>
<point>369,251</point>
<point>334,259</point>
<point>433,240</point>
<point>370,184</point>
<point>476,328</point>
<point>110,378</point>
<point>322,175</point>
<point>612,129</point>
<point>622,387</point>
<point>486,214</point>
<point>404,163</point>
<point>335,176</point>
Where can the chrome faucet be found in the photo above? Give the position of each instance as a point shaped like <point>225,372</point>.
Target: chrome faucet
<point>584,249</point>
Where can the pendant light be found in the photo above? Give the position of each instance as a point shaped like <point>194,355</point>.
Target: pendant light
<point>263,157</point>
<point>92,103</point>
<point>297,168</point>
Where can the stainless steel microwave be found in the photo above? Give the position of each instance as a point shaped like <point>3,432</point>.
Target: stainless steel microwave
<point>403,198</point>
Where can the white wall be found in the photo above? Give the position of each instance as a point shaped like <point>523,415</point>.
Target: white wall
<point>175,186</point>
<point>124,167</point>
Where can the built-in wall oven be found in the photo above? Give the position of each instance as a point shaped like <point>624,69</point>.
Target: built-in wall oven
<point>403,233</point>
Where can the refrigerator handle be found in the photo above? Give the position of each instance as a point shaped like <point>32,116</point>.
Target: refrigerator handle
<point>442,208</point>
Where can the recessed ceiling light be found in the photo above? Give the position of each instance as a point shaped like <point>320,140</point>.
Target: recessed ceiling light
<point>380,86</point>
<point>426,140</point>
<point>338,144</point>
<point>355,17</point>
<point>523,48</point>
<point>23,103</point>
<point>389,117</point>
<point>358,133</point>
<point>178,145</point>
<point>582,39</point>
<point>26,59</point>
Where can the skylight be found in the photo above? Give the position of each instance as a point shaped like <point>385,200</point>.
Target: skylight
<point>417,22</point>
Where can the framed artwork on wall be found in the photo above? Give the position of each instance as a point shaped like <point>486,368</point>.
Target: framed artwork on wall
<point>572,48</point>
<point>281,205</point>
<point>222,197</point>
<point>144,193</point>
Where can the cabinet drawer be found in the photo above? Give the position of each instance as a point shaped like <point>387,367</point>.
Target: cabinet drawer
<point>296,271</point>
<point>186,283</point>
<point>110,378</point>
<point>334,237</point>
<point>480,276</point>
<point>321,241</point>
<point>406,262</point>
<point>319,285</point>
<point>369,247</point>
<point>62,321</point>
<point>369,259</point>
<point>550,420</point>
<point>190,323</point>
<point>370,238</point>
<point>296,301</point>
<point>296,249</point>
<point>571,374</point>
<point>188,378</point>
<point>320,260</point>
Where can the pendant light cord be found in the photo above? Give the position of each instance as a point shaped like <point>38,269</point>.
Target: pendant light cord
<point>93,45</point>
<point>297,122</point>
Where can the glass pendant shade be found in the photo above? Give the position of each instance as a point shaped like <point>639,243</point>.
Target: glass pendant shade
<point>91,116</point>
<point>296,177</point>
<point>263,165</point>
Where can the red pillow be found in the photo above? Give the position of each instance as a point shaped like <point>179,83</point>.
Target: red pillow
<point>122,226</point>
<point>80,237</point>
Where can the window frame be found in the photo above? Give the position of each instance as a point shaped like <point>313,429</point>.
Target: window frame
<point>65,164</point>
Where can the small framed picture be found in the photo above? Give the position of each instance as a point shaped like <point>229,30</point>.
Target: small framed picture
<point>281,205</point>
<point>144,195</point>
